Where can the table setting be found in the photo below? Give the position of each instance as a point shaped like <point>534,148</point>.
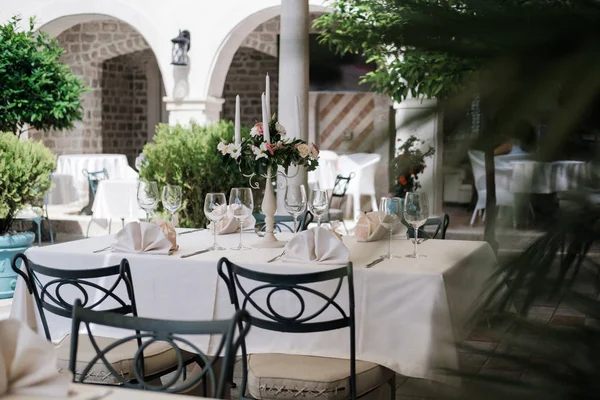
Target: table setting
<point>412,301</point>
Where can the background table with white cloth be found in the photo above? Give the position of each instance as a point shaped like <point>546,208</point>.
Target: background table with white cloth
<point>116,198</point>
<point>548,177</point>
<point>408,312</point>
<point>73,164</point>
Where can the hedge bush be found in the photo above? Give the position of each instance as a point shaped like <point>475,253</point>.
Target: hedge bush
<point>25,168</point>
<point>188,156</point>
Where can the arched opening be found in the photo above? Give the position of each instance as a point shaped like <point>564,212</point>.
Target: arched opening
<point>123,103</point>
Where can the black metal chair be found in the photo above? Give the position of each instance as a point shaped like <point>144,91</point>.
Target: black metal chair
<point>338,194</point>
<point>212,378</point>
<point>56,291</point>
<point>268,373</point>
<point>440,225</point>
<point>93,179</point>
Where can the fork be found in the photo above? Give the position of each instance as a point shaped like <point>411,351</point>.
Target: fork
<point>276,257</point>
<point>375,261</point>
<point>101,250</point>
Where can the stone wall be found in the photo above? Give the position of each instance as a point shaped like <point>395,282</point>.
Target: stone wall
<point>246,77</point>
<point>124,103</point>
<point>256,57</point>
<point>87,46</point>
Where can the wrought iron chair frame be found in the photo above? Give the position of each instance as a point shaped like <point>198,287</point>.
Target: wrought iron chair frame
<point>283,220</point>
<point>155,330</point>
<point>340,188</point>
<point>441,223</point>
<point>297,324</point>
<point>77,279</point>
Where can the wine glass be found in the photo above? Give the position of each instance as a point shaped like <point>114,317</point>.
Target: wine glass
<point>241,205</point>
<point>295,202</point>
<point>215,209</point>
<point>147,196</point>
<point>319,204</point>
<point>171,199</point>
<point>416,212</point>
<point>390,215</point>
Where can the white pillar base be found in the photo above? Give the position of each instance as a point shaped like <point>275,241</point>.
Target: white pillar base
<point>202,111</point>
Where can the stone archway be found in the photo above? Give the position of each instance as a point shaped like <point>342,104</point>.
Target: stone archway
<point>120,71</point>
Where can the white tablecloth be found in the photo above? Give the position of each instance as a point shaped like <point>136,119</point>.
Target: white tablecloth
<point>117,199</point>
<point>63,189</point>
<point>73,164</point>
<point>538,177</point>
<point>407,311</point>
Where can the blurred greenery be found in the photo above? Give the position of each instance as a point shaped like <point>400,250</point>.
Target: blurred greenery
<point>188,156</point>
<point>36,88</point>
<point>535,61</point>
<point>25,168</point>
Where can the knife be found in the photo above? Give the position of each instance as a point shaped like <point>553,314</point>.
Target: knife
<point>375,262</point>
<point>194,253</point>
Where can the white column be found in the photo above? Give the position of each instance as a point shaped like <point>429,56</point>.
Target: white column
<point>430,131</point>
<point>203,111</point>
<point>293,77</point>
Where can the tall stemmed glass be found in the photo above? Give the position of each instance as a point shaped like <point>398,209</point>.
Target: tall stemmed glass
<point>390,215</point>
<point>319,204</point>
<point>147,196</point>
<point>241,205</point>
<point>215,209</point>
<point>416,212</point>
<point>171,199</point>
<point>295,202</point>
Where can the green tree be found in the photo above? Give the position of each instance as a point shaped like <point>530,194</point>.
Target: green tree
<point>37,89</point>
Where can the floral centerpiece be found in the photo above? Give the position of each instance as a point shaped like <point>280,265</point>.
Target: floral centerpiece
<point>255,156</point>
<point>408,164</point>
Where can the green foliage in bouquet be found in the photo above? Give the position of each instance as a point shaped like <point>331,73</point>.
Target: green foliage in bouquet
<point>188,157</point>
<point>25,168</point>
<point>255,156</point>
<point>408,164</point>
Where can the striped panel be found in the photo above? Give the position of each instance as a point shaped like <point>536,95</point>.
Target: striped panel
<point>339,113</point>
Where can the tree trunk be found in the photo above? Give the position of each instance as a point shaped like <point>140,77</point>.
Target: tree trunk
<point>489,233</point>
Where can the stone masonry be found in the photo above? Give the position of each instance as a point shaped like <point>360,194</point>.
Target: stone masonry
<point>87,46</point>
<point>256,57</point>
<point>124,103</point>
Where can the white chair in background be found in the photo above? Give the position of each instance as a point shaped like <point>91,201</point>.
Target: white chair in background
<point>504,171</point>
<point>363,165</point>
<point>324,176</point>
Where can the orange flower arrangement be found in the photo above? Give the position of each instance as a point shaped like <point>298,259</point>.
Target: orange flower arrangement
<point>408,164</point>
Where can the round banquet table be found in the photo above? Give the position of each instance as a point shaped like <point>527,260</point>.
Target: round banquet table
<point>73,164</point>
<point>117,198</point>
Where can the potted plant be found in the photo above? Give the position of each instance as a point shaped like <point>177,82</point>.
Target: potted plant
<point>37,92</point>
<point>408,165</point>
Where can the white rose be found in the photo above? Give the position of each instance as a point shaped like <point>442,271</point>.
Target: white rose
<point>303,150</point>
<point>280,128</point>
<point>235,151</point>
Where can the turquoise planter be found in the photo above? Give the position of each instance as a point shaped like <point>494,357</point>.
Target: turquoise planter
<point>11,245</point>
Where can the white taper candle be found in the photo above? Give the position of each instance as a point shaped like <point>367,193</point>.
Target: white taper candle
<point>268,93</point>
<point>266,133</point>
<point>238,133</point>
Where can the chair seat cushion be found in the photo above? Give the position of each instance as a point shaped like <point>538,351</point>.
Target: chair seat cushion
<point>283,376</point>
<point>158,357</point>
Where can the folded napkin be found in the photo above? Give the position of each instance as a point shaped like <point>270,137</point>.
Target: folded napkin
<point>368,228</point>
<point>316,245</point>
<point>231,225</point>
<point>28,363</point>
<point>145,237</point>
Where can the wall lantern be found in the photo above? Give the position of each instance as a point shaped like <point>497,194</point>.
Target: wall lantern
<point>181,46</point>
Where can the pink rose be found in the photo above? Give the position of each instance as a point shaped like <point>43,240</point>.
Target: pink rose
<point>271,148</point>
<point>257,129</point>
